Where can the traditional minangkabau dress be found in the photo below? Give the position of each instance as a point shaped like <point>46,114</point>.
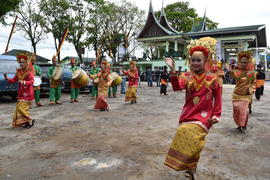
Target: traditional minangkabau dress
<point>133,81</point>
<point>55,86</point>
<point>74,87</point>
<point>104,83</point>
<point>203,102</point>
<point>94,92</point>
<point>37,72</point>
<point>242,95</point>
<point>25,97</point>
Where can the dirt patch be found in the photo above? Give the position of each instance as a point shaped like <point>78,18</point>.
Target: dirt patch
<point>73,141</point>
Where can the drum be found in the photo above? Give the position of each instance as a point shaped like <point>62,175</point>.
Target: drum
<point>80,77</point>
<point>37,81</point>
<point>66,75</point>
<point>117,80</point>
<point>57,73</point>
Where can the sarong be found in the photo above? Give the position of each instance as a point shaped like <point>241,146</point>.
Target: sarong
<point>131,93</point>
<point>101,103</point>
<point>240,113</point>
<point>185,150</point>
<point>21,115</point>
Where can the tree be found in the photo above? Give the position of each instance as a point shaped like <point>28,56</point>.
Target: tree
<point>57,17</point>
<point>7,6</point>
<point>31,22</point>
<point>182,17</point>
<point>81,17</point>
<point>131,21</point>
<point>209,23</point>
<point>115,26</point>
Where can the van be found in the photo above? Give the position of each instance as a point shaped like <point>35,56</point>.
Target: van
<point>8,64</point>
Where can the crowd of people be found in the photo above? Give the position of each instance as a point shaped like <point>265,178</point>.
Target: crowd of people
<point>203,103</point>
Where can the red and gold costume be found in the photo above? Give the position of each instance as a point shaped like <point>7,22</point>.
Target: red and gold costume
<point>217,69</point>
<point>25,95</point>
<point>104,83</point>
<point>203,102</point>
<point>133,82</point>
<point>244,89</point>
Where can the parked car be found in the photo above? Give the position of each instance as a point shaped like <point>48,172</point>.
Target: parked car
<point>45,85</point>
<point>8,64</point>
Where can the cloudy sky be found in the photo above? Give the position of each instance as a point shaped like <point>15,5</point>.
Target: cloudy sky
<point>228,13</point>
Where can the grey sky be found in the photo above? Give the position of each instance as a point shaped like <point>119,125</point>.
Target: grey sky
<point>227,13</point>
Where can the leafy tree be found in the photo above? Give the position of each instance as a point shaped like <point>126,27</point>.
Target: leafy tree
<point>57,17</point>
<point>182,17</point>
<point>30,22</point>
<point>209,23</point>
<point>7,6</point>
<point>115,26</point>
<point>131,21</point>
<point>81,18</point>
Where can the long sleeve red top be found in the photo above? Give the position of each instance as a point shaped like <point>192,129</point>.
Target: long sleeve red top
<point>203,97</point>
<point>133,77</point>
<point>25,92</point>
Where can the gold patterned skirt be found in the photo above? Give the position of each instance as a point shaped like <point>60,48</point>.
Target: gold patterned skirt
<point>131,93</point>
<point>185,150</point>
<point>21,115</point>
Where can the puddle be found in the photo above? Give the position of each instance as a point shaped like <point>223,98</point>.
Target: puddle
<point>98,165</point>
<point>85,162</point>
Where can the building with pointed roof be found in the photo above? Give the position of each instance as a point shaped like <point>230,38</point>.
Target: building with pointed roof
<point>160,39</point>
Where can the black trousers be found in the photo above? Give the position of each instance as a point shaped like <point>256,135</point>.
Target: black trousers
<point>163,89</point>
<point>259,92</point>
<point>262,89</point>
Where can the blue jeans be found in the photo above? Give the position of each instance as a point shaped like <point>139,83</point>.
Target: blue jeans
<point>123,86</point>
<point>149,81</point>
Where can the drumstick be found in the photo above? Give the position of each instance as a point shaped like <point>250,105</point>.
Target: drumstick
<point>11,32</point>
<point>62,41</point>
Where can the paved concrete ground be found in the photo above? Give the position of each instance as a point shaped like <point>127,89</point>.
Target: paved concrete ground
<point>73,141</point>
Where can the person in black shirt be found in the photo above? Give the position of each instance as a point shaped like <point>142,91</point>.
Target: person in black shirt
<point>164,79</point>
<point>260,78</point>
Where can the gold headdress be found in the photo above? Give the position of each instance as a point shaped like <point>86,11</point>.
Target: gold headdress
<point>132,62</point>
<point>207,45</point>
<point>22,55</point>
<point>106,63</point>
<point>247,54</point>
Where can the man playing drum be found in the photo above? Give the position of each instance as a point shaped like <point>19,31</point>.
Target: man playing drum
<point>38,74</point>
<point>55,87</point>
<point>75,88</point>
